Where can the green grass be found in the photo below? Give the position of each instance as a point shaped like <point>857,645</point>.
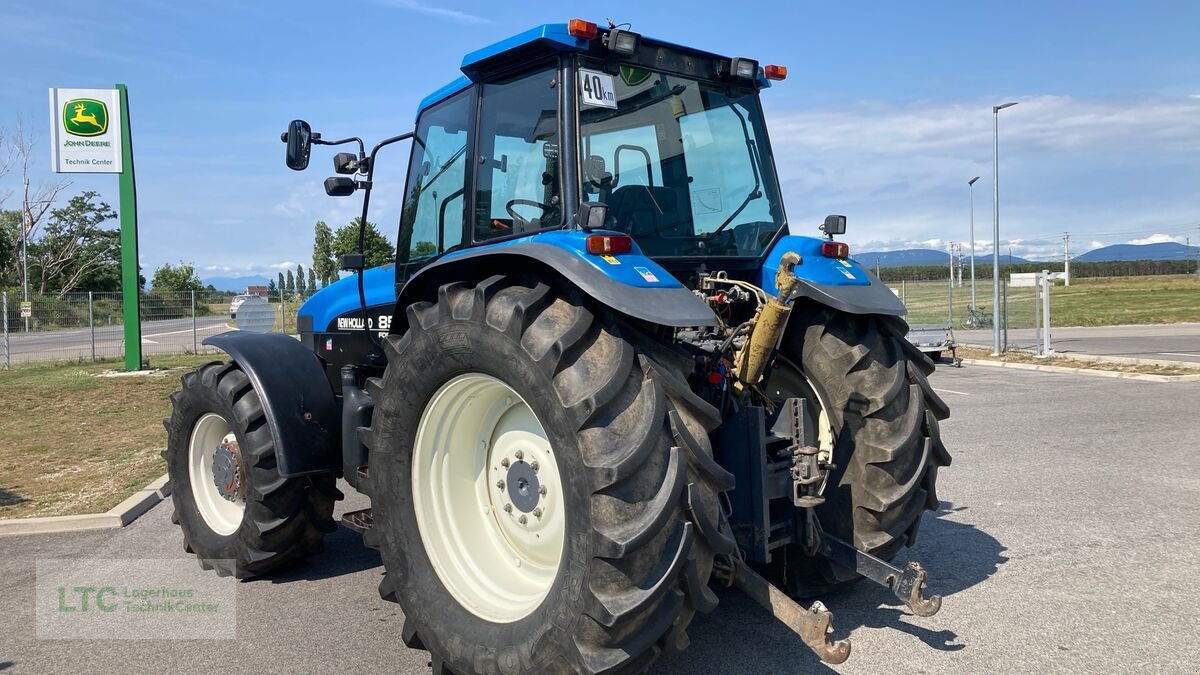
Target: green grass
<point>1086,302</point>
<point>78,443</point>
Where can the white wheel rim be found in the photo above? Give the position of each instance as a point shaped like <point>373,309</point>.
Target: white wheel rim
<point>481,465</point>
<point>220,514</point>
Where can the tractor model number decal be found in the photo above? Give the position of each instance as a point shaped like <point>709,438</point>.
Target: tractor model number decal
<point>610,260</point>
<point>596,89</point>
<point>382,323</point>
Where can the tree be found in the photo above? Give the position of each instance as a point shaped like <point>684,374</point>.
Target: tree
<point>323,261</point>
<point>300,279</point>
<point>282,285</point>
<point>36,202</point>
<point>377,249</point>
<point>75,246</point>
<point>270,287</point>
<point>290,287</point>
<point>176,279</point>
<point>312,280</point>
<point>423,248</point>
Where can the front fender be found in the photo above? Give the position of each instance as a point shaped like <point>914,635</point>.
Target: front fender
<point>299,404</point>
<point>630,283</point>
<point>841,284</point>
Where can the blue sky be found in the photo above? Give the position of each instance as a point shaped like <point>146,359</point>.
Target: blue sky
<point>884,117</point>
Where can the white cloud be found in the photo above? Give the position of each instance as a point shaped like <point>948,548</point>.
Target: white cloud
<point>284,266</point>
<point>1157,239</point>
<point>440,12</point>
<point>900,171</point>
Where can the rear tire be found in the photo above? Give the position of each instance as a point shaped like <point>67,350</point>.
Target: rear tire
<point>639,486</point>
<point>875,390</point>
<point>272,521</point>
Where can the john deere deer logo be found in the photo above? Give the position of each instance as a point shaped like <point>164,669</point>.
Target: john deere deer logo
<point>85,117</point>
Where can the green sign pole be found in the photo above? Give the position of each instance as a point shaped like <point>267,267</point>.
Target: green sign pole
<point>129,243</point>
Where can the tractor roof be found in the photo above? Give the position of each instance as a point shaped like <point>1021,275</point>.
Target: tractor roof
<point>544,40</point>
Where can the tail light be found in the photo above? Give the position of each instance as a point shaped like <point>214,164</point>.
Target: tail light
<point>775,72</point>
<point>835,249</point>
<point>584,30</point>
<point>609,244</point>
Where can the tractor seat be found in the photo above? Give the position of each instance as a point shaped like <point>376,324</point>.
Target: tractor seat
<point>649,215</point>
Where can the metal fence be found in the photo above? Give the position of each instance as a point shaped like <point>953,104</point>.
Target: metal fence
<point>939,302</point>
<point>88,326</point>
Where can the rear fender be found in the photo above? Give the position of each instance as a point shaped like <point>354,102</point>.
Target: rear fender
<point>300,406</point>
<point>630,283</point>
<point>841,284</point>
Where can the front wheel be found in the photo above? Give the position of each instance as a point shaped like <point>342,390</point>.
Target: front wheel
<point>238,515</point>
<point>868,386</point>
<point>544,493</point>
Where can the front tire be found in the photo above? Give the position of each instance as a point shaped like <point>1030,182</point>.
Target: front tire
<point>237,514</point>
<point>637,486</point>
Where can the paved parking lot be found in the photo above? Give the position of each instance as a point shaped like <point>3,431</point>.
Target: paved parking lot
<point>1068,540</point>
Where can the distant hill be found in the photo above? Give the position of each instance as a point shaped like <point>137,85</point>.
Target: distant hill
<point>238,284</point>
<point>913,257</point>
<point>1162,251</point>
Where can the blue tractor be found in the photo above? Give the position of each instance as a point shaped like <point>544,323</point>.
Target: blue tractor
<point>600,376</point>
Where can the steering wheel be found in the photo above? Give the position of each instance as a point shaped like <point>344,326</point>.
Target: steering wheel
<point>523,202</point>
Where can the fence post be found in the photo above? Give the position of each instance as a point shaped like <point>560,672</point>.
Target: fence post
<point>903,292</point>
<point>1046,311</point>
<point>1037,317</point>
<point>194,345</point>
<point>1004,299</point>
<point>950,300</point>
<point>92,325</point>
<point>7,356</point>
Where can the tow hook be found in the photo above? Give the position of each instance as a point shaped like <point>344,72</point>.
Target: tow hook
<point>908,584</point>
<point>813,625</point>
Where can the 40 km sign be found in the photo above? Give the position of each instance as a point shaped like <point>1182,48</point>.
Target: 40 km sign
<point>85,130</point>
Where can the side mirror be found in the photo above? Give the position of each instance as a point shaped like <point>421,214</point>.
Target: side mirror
<point>299,144</point>
<point>834,225</point>
<point>337,186</point>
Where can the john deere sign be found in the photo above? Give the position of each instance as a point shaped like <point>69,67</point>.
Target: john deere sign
<point>82,138</point>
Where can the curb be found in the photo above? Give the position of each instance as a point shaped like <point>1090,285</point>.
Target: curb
<point>1102,358</point>
<point>1115,374</point>
<point>118,516</point>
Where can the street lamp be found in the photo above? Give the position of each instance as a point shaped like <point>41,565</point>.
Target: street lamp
<point>971,184</point>
<point>996,223</point>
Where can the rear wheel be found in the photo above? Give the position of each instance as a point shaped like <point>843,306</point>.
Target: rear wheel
<point>872,387</point>
<point>544,493</point>
<point>238,515</point>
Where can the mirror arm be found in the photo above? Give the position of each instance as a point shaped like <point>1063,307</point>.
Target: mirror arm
<point>362,225</point>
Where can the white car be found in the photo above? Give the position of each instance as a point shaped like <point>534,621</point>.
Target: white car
<point>237,302</point>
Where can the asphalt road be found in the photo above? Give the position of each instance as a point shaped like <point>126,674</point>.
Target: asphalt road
<point>158,337</point>
<point>1068,540</point>
<point>1167,342</point>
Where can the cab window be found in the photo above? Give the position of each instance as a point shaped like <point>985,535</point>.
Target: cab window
<point>433,217</point>
<point>517,174</point>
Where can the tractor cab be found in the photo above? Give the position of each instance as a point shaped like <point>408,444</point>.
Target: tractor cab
<point>666,143</point>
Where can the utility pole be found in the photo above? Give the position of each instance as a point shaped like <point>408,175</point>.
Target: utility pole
<point>1066,258</point>
<point>996,224</point>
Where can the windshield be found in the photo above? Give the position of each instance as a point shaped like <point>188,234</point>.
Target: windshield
<point>682,164</point>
